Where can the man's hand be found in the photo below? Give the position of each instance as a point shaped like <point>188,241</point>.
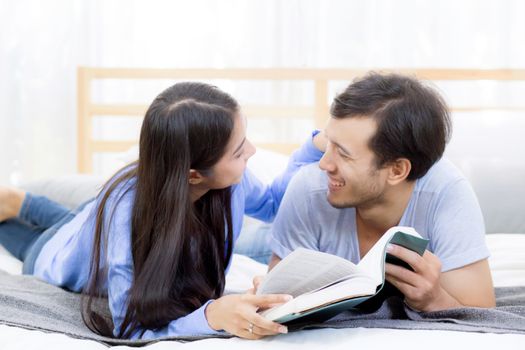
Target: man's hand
<point>257,280</point>
<point>421,287</point>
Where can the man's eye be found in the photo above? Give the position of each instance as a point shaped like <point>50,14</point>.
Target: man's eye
<point>343,155</point>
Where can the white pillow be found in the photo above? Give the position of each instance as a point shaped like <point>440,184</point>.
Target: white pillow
<point>498,184</point>
<point>267,165</point>
<point>507,259</point>
<point>9,263</point>
<point>69,190</point>
<point>131,155</point>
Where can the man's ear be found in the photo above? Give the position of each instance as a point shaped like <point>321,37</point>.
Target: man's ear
<point>399,170</point>
<point>195,177</point>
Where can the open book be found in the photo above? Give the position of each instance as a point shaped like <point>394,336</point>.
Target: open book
<point>324,285</point>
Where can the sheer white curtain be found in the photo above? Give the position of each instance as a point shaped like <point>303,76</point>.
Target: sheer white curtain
<point>42,43</point>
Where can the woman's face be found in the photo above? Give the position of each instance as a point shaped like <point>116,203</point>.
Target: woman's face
<point>230,168</point>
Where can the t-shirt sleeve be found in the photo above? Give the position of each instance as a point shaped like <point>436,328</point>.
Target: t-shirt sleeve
<point>458,235</point>
<point>294,225</point>
<point>261,200</point>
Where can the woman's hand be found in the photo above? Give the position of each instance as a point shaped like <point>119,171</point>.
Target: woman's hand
<point>237,314</point>
<point>320,141</point>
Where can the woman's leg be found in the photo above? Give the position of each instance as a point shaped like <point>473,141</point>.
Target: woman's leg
<point>41,212</point>
<point>17,236</point>
<point>34,249</point>
<point>25,217</point>
<point>36,210</point>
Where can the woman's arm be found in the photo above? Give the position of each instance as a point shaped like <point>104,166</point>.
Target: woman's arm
<point>233,313</point>
<point>261,200</point>
<point>236,314</point>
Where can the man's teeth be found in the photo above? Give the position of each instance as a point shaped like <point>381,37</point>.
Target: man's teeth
<point>336,183</point>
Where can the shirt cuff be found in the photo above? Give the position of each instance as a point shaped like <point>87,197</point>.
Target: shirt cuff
<point>202,325</point>
<point>311,150</point>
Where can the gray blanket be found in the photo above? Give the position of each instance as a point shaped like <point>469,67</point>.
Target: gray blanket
<point>507,317</point>
<point>29,303</point>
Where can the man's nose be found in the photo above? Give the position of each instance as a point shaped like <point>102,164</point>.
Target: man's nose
<point>326,162</point>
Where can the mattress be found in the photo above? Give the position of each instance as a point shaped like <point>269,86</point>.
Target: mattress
<point>507,264</point>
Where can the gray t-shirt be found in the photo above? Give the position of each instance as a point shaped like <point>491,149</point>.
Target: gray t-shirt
<point>443,208</point>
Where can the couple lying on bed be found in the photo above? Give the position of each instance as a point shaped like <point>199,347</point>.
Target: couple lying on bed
<point>158,239</point>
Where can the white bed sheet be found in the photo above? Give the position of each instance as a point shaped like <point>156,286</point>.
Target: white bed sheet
<point>507,265</point>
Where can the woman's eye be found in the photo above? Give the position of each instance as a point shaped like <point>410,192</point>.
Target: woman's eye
<point>238,155</point>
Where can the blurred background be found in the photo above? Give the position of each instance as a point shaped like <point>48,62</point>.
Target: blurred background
<point>43,42</point>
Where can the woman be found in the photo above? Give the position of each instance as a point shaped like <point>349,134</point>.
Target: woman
<point>158,239</point>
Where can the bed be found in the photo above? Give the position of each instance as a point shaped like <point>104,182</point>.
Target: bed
<point>505,223</point>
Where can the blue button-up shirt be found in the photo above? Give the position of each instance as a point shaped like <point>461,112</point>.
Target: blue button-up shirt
<point>65,259</point>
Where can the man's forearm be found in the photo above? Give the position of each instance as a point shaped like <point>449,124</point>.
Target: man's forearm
<point>443,301</point>
<point>274,260</point>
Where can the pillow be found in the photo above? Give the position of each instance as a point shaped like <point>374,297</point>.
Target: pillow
<point>498,184</point>
<point>267,165</point>
<point>70,190</point>
<point>507,261</point>
<point>9,263</point>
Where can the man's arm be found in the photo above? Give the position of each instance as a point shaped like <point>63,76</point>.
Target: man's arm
<point>273,261</point>
<point>427,289</point>
<point>461,275</point>
<point>257,280</point>
<point>471,285</point>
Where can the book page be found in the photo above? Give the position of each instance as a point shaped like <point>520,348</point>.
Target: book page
<point>305,270</point>
<point>355,286</point>
<point>318,279</point>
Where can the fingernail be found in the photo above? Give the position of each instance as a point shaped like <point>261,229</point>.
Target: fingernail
<point>389,248</point>
<point>283,329</point>
<point>288,297</point>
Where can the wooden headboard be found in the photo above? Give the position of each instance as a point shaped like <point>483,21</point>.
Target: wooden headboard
<point>317,111</point>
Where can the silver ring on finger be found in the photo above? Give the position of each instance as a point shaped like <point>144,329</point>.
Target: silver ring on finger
<point>250,328</point>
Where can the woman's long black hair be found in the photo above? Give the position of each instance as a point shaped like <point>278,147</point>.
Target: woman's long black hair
<point>180,249</point>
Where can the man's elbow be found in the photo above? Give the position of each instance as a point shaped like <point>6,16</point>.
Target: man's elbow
<point>486,301</point>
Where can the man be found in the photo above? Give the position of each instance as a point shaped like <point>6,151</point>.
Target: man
<point>383,168</point>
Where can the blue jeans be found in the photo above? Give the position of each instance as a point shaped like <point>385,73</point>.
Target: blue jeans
<point>38,221</point>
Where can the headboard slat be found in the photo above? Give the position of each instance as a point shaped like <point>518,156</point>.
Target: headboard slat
<point>317,112</point>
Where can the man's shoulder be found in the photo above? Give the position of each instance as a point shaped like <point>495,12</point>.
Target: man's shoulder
<point>310,179</point>
<point>440,176</point>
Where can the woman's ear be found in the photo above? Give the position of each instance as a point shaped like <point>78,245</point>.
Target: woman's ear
<point>399,170</point>
<point>195,177</point>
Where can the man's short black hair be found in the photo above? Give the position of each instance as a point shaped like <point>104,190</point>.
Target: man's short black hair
<point>413,120</point>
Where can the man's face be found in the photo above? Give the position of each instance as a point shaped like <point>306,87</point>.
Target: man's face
<point>353,179</point>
